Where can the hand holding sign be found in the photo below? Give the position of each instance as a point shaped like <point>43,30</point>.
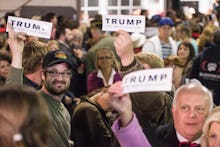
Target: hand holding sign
<point>124,47</point>
<point>31,27</point>
<point>129,23</point>
<point>120,102</point>
<point>16,44</point>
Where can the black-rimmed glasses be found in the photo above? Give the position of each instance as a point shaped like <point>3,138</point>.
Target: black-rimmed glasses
<point>55,73</point>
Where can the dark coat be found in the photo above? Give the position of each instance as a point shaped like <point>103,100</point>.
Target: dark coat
<point>91,127</point>
<point>206,68</point>
<point>166,136</point>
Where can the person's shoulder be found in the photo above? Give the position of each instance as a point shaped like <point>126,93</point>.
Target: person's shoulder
<point>165,131</point>
<point>153,38</point>
<point>171,39</point>
<point>166,135</point>
<point>108,38</point>
<point>163,128</point>
<point>212,49</point>
<point>150,43</point>
<point>85,106</point>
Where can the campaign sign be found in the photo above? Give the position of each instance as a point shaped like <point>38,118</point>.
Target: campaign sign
<point>31,27</point>
<point>128,23</point>
<point>148,80</point>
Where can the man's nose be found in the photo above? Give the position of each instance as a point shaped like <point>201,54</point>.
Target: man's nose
<point>192,113</point>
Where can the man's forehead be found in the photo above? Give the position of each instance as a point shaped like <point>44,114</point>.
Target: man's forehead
<point>58,65</point>
<point>195,100</point>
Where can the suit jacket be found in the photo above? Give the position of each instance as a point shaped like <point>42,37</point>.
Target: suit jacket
<point>166,136</point>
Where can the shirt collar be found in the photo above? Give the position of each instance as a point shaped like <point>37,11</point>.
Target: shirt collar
<point>182,139</point>
<point>111,80</point>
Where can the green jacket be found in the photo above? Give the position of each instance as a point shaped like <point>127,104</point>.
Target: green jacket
<point>60,119</point>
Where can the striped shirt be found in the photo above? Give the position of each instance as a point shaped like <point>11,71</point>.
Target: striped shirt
<point>166,49</point>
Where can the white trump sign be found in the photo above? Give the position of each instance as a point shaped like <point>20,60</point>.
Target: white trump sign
<point>31,27</point>
<point>128,23</point>
<point>148,80</point>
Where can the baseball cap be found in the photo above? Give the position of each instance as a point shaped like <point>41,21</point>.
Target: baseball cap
<point>166,21</point>
<point>155,18</point>
<point>96,24</point>
<point>56,57</point>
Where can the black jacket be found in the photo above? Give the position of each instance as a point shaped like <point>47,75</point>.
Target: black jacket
<point>166,136</point>
<point>206,68</point>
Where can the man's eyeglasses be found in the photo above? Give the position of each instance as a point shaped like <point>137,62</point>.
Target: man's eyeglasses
<point>55,73</point>
<point>104,58</point>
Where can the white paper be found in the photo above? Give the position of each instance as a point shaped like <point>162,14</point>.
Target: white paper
<point>128,23</point>
<point>31,27</point>
<point>148,80</point>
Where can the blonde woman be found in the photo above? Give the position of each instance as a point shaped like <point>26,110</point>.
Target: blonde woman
<point>106,70</point>
<point>211,129</point>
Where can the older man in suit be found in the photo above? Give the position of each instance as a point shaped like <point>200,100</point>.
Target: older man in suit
<point>191,105</point>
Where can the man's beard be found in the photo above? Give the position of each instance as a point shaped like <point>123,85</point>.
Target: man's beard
<point>56,91</point>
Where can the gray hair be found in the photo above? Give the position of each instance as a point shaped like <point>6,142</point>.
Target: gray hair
<point>195,86</point>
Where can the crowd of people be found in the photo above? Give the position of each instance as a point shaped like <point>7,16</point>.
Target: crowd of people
<point>66,91</point>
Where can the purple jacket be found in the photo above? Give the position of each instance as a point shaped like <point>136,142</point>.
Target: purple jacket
<point>131,135</point>
<point>94,82</point>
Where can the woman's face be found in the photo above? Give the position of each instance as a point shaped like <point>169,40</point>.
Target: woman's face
<point>105,59</point>
<point>214,135</point>
<point>4,67</point>
<point>183,52</point>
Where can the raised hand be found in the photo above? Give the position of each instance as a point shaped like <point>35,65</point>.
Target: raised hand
<point>124,47</point>
<point>120,102</point>
<point>16,44</point>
